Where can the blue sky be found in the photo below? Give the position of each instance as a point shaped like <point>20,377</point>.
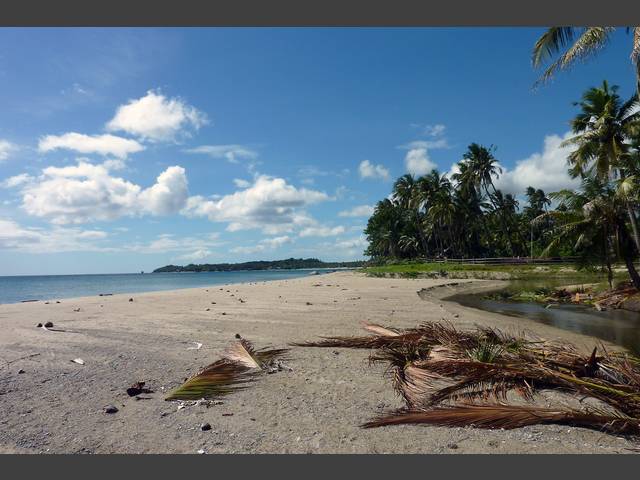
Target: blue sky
<point>126,149</point>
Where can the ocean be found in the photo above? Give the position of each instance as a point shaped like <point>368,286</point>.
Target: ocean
<point>53,287</point>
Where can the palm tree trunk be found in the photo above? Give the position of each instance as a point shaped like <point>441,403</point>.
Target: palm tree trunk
<point>505,228</point>
<point>627,254</point>
<point>634,226</point>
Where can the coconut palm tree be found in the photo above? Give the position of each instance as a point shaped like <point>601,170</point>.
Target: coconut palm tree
<point>593,217</point>
<point>603,129</point>
<point>578,43</point>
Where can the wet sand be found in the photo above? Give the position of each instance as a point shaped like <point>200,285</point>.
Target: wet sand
<point>57,406</point>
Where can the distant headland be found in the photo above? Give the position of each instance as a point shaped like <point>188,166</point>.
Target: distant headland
<point>288,264</point>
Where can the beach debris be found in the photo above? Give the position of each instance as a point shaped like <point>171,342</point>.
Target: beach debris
<point>460,378</point>
<point>21,371</point>
<point>76,309</point>
<point>207,309</point>
<point>29,301</point>
<point>105,294</point>
<point>238,336</point>
<point>39,325</point>
<point>228,414</point>
<point>213,303</point>
<point>79,361</point>
<point>240,365</point>
<point>131,299</point>
<point>48,324</point>
<point>205,427</point>
<point>46,303</point>
<point>57,301</point>
<point>309,303</point>
<point>138,388</point>
<point>201,451</point>
<point>196,346</point>
<point>110,409</point>
<point>223,313</point>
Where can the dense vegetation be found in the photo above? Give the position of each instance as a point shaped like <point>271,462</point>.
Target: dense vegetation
<point>288,264</point>
<point>467,216</point>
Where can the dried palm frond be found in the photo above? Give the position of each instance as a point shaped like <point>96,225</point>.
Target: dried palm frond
<point>239,366</point>
<point>380,330</point>
<point>244,353</point>
<point>220,378</point>
<point>509,417</point>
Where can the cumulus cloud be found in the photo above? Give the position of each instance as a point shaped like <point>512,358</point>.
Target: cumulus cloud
<point>6,148</point>
<point>546,170</point>
<point>359,211</point>
<point>99,144</point>
<point>417,162</point>
<point>232,153</point>
<point>57,239</point>
<point>157,118</point>
<point>369,170</point>
<point>321,231</point>
<point>196,255</point>
<point>168,195</point>
<point>86,192</point>
<point>270,204</point>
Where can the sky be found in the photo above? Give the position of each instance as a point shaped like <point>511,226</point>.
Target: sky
<point>124,150</point>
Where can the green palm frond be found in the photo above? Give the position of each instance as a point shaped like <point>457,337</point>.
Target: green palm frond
<point>588,43</point>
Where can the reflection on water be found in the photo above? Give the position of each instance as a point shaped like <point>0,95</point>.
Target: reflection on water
<point>621,327</point>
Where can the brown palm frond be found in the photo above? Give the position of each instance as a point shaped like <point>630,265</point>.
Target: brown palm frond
<point>245,353</point>
<point>508,417</point>
<point>220,378</point>
<point>380,330</point>
<point>367,342</point>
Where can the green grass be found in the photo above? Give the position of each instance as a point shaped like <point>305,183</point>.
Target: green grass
<point>516,271</point>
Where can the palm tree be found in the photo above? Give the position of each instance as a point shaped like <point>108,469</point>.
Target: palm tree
<point>578,43</point>
<point>603,129</point>
<point>593,217</point>
<point>483,166</point>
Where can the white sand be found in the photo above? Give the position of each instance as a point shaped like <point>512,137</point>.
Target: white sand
<point>57,405</point>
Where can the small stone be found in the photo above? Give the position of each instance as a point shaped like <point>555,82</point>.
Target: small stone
<point>205,426</point>
<point>110,409</point>
<point>223,313</point>
<point>238,336</point>
<point>49,325</point>
<point>21,371</point>
<point>131,299</point>
<point>452,446</point>
<point>309,303</point>
<point>39,325</point>
<point>455,315</point>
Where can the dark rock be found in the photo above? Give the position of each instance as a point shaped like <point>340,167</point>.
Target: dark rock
<point>452,446</point>
<point>39,325</point>
<point>110,409</point>
<point>49,324</point>
<point>131,299</point>
<point>137,388</point>
<point>205,426</point>
<point>21,371</point>
<point>238,336</point>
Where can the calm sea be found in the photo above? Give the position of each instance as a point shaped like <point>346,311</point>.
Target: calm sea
<point>51,287</point>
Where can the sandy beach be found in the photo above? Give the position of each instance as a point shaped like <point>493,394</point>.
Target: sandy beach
<point>57,406</point>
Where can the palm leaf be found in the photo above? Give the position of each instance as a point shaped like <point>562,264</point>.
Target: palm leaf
<point>508,417</point>
<point>220,378</point>
<point>244,353</point>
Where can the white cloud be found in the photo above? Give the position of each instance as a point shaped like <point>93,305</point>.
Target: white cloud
<point>241,183</point>
<point>546,170</point>
<point>157,118</point>
<point>168,242</point>
<point>321,231</point>
<point>369,170</point>
<point>16,180</point>
<point>57,239</point>
<point>232,153</point>
<point>6,148</point>
<point>100,144</point>
<point>168,195</point>
<point>417,162</point>
<point>359,211</point>
<point>86,192</point>
<point>270,204</point>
